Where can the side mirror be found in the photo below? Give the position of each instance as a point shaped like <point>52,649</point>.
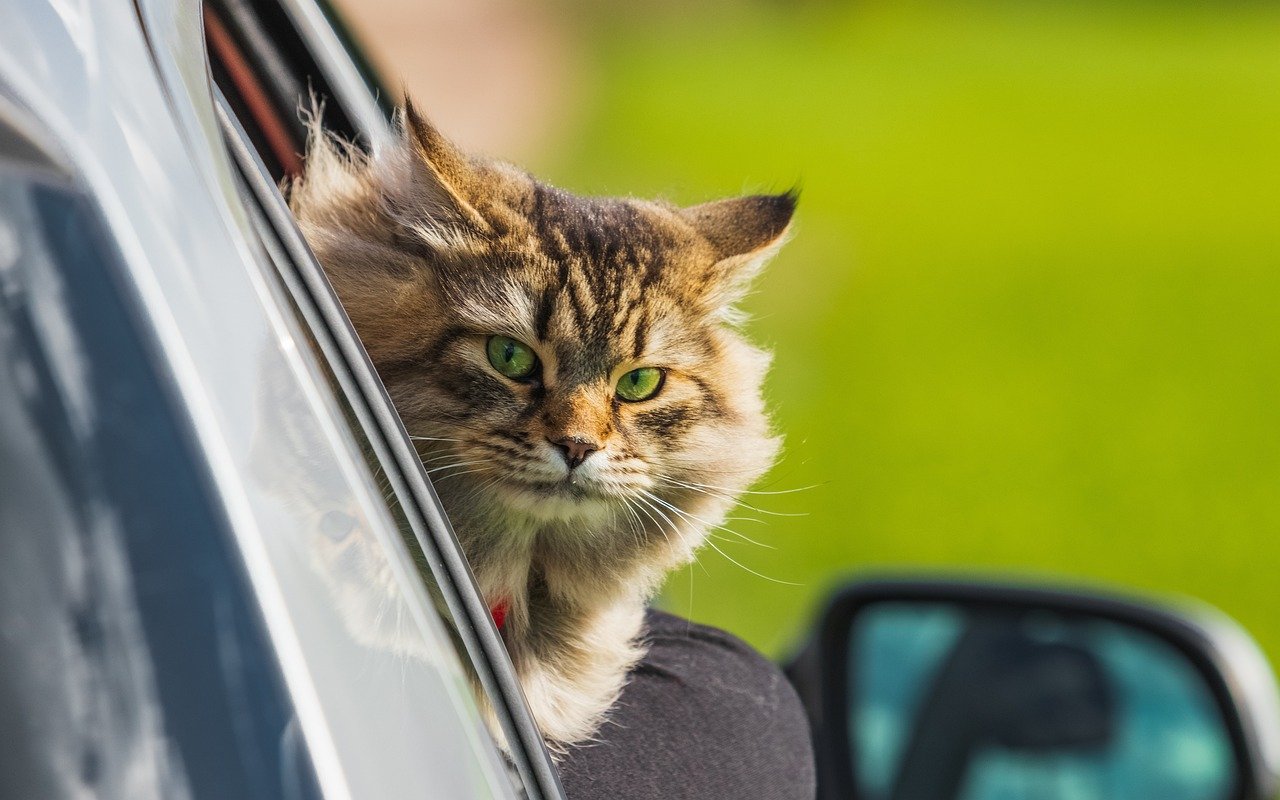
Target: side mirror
<point>941,690</point>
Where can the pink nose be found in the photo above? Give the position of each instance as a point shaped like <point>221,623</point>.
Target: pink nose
<point>574,449</point>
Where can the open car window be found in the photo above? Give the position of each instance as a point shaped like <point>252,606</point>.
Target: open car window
<point>271,57</point>
<point>265,71</point>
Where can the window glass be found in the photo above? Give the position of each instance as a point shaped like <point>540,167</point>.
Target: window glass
<point>340,544</point>
<point>133,662</point>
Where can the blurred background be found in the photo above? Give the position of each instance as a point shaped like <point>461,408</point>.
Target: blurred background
<point>1029,321</point>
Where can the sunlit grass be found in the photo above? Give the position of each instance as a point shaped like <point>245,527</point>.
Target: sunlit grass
<point>1029,321</point>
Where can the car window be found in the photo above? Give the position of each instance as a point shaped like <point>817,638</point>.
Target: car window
<point>261,56</point>
<point>133,660</point>
<point>260,135</point>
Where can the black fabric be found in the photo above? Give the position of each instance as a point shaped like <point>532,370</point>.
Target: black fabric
<point>703,716</point>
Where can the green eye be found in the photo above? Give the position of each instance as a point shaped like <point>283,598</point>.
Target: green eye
<point>640,384</point>
<point>512,358</point>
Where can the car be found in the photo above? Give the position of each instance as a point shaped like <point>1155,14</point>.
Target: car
<point>223,570</point>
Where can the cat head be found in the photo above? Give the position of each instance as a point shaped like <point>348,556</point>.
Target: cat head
<point>558,358</point>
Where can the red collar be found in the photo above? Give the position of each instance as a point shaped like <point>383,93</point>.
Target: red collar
<point>499,613</point>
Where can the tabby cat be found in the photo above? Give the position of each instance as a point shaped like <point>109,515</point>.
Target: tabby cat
<point>572,373</point>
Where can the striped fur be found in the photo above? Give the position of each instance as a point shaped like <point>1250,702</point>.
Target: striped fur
<point>432,251</point>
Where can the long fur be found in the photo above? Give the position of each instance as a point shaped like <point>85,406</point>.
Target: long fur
<point>431,252</point>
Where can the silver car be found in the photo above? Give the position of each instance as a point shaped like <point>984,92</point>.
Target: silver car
<point>223,570</point>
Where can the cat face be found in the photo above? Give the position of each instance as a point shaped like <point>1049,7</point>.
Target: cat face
<point>558,359</point>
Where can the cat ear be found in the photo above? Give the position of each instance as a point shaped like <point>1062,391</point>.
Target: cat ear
<point>430,184</point>
<point>744,232</point>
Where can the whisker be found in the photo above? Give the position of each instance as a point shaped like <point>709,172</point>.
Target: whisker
<point>689,616</point>
<point>675,527</point>
<point>749,569</point>
<point>741,539</point>
<point>646,505</point>
<point>439,457</point>
<point>643,508</point>
<point>633,523</point>
<point>464,472</point>
<point>705,523</point>
<point>479,488</point>
<point>746,491</point>
<point>458,464</point>
<point>728,498</point>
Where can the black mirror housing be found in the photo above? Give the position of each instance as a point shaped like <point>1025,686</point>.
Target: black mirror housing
<point>1000,674</point>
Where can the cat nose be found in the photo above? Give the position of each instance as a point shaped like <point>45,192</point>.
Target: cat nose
<point>574,449</point>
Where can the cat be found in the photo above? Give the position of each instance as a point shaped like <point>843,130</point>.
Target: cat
<point>573,374</point>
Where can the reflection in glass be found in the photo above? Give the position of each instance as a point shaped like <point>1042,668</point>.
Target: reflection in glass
<point>352,533</point>
<point>996,704</point>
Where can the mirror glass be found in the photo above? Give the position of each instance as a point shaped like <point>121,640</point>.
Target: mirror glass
<point>985,703</point>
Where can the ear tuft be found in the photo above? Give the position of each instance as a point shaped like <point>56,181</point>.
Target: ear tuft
<point>441,155</point>
<point>743,226</point>
<point>429,184</point>
<point>744,232</point>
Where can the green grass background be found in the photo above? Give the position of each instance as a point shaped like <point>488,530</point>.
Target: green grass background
<point>1028,323</point>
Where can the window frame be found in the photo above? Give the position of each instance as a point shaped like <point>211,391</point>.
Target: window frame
<point>345,356</point>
